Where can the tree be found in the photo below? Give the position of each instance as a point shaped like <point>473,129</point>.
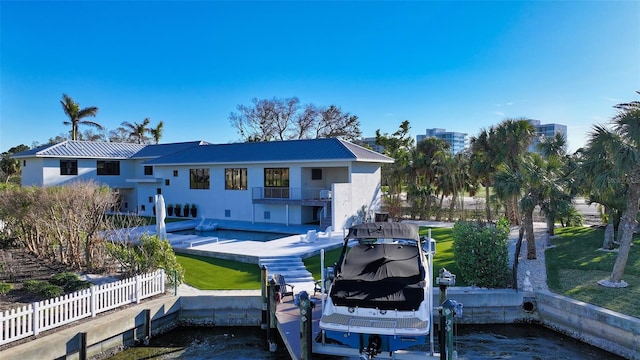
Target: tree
<point>614,155</point>
<point>157,132</point>
<point>397,146</point>
<point>483,162</point>
<point>11,167</point>
<point>285,119</point>
<point>513,137</point>
<point>137,131</point>
<point>76,114</point>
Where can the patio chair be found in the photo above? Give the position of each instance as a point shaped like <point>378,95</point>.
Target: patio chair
<point>285,288</point>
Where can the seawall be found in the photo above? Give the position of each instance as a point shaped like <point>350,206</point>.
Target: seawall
<point>108,333</point>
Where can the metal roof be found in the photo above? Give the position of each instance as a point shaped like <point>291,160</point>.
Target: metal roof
<point>156,150</point>
<point>201,152</point>
<point>328,149</point>
<point>84,149</point>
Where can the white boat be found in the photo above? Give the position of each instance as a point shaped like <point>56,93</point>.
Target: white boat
<point>379,302</point>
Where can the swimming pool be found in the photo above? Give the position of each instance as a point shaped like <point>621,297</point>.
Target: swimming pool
<point>225,234</point>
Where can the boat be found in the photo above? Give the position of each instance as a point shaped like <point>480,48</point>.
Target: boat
<point>379,302</point>
<point>206,226</point>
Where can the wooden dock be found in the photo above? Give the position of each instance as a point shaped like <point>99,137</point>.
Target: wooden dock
<point>288,324</point>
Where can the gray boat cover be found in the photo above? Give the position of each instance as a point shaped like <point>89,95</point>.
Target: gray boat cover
<point>384,276</point>
<point>384,230</point>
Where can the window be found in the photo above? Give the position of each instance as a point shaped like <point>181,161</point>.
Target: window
<point>175,173</point>
<point>316,174</point>
<point>198,178</point>
<point>235,179</point>
<point>276,177</point>
<point>276,183</point>
<point>68,167</point>
<point>167,182</point>
<point>148,170</point>
<point>108,167</point>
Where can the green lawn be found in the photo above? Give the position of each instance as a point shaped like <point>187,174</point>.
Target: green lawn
<point>575,265</point>
<point>206,273</point>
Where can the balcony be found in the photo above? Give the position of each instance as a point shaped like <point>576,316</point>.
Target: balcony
<point>287,195</point>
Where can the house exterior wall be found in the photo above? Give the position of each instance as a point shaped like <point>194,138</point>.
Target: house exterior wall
<point>362,192</point>
<point>32,172</point>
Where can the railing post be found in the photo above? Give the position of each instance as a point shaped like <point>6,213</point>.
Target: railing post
<point>93,301</point>
<point>161,281</point>
<point>36,318</point>
<point>137,290</point>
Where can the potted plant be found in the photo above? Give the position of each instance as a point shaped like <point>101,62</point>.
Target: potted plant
<point>185,210</point>
<point>194,210</point>
<point>178,208</point>
<point>169,210</point>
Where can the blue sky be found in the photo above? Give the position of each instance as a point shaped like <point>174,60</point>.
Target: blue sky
<point>462,66</point>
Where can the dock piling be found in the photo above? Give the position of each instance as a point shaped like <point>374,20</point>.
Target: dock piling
<point>272,305</point>
<point>306,329</point>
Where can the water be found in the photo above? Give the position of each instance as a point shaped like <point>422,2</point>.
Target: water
<point>473,342</point>
<point>223,234</point>
<point>199,343</point>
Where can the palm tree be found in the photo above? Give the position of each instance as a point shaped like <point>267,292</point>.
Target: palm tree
<point>620,147</point>
<point>137,132</point>
<point>483,162</point>
<point>513,137</point>
<point>532,184</point>
<point>156,132</point>
<point>76,114</point>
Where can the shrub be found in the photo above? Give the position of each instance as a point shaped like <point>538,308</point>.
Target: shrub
<point>43,289</point>
<point>69,281</point>
<point>149,254</point>
<point>481,252</point>
<point>5,288</point>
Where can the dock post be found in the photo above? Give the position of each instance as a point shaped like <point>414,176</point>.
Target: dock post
<point>272,328</point>
<point>147,326</point>
<point>306,321</point>
<point>82,348</point>
<point>263,287</point>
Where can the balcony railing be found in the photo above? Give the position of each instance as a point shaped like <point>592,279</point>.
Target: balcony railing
<point>291,193</point>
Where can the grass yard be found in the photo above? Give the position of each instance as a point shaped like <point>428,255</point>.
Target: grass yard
<point>207,273</point>
<point>575,265</point>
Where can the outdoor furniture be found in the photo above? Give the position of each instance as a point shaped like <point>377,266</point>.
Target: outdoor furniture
<point>279,280</point>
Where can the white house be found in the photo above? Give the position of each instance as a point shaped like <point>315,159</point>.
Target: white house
<point>323,181</point>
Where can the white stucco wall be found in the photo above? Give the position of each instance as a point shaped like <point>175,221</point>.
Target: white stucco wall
<point>32,172</point>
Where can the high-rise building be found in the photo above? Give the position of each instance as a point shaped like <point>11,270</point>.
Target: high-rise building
<point>545,130</point>
<point>370,142</point>
<point>457,141</point>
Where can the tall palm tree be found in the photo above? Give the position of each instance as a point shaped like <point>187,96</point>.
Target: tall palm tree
<point>76,114</point>
<point>138,131</point>
<point>483,162</point>
<point>513,137</point>
<point>156,133</point>
<point>620,147</point>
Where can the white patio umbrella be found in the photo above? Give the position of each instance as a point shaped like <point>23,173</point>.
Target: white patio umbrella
<point>161,214</point>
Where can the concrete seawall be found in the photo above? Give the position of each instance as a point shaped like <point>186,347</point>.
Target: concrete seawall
<point>105,334</point>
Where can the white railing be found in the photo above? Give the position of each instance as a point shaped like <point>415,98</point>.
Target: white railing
<point>44,315</point>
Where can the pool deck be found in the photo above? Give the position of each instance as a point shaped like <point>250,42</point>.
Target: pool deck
<point>292,245</point>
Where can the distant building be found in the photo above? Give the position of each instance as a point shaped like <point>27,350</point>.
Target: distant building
<point>545,130</point>
<point>370,142</point>
<point>457,141</point>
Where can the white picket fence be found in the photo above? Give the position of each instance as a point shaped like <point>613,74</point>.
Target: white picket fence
<point>44,315</point>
